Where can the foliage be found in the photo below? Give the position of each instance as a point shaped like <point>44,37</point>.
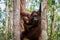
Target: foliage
<point>34,5</point>
<point>3,22</point>
<point>56,33</point>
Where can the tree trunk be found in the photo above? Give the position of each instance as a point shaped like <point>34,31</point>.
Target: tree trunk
<point>6,21</point>
<point>52,23</point>
<point>44,19</point>
<point>16,19</point>
<point>10,21</point>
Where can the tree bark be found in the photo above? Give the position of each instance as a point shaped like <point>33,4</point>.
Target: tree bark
<point>16,19</point>
<point>44,19</point>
